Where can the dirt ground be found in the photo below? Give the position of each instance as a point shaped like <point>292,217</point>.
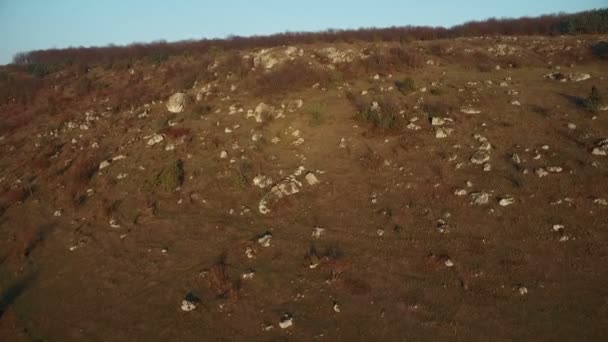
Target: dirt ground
<point>405,252</point>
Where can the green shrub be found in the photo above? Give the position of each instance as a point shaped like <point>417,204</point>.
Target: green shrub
<point>406,85</point>
<point>594,101</point>
<point>169,177</point>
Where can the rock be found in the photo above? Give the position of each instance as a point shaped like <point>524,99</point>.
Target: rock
<point>342,143</point>
<point>114,224</point>
<point>311,179</point>
<point>571,126</point>
<point>286,321</point>
<point>515,158</point>
<point>469,110</point>
<point>269,58</point>
<point>223,155</point>
<point>285,187</point>
<point>541,172</point>
<point>336,307</point>
<point>522,290</point>
<point>317,232</point>
<point>248,275</point>
<point>480,198</point>
<point>441,133</point>
<point>190,302</point>
<point>506,201</point>
<point>264,240</point>
<point>104,164</point>
<point>437,121</point>
<point>460,192</point>
<point>336,56</point>
<point>249,252</point>
<point>155,139</point>
<point>57,213</point>
<point>554,169</point>
<point>448,263</point>
<point>601,201</point>
<point>515,103</point>
<point>574,77</point>
<point>262,181</point>
<point>177,102</point>
<point>601,148</point>
<point>480,157</point>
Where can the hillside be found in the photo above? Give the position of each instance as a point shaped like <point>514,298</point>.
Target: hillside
<point>441,189</point>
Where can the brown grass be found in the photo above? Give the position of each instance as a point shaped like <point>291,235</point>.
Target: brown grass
<point>289,77</point>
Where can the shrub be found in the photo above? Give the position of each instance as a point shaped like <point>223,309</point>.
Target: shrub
<point>381,113</point>
<point>594,101</point>
<point>316,114</point>
<point>406,85</point>
<point>600,49</point>
<point>169,177</point>
<point>436,91</point>
<point>406,57</point>
<point>38,70</point>
<point>290,77</point>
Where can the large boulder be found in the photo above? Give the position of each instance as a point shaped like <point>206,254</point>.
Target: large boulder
<point>177,102</point>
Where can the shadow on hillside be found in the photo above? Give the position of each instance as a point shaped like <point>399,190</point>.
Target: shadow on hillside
<point>577,101</point>
<point>13,291</point>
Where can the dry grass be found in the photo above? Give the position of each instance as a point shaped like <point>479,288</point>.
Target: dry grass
<point>289,77</point>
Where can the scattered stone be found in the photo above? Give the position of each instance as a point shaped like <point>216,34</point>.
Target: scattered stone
<point>522,290</point>
<point>506,201</point>
<point>250,252</point>
<point>480,157</point>
<point>311,179</point>
<point>264,240</point>
<point>469,110</point>
<point>342,143</point>
<point>114,224</point>
<point>286,321</point>
<point>317,232</point>
<point>601,201</point>
<point>190,302</point>
<point>571,126</point>
<point>555,169</point>
<point>441,133</point>
<point>262,181</point>
<point>104,164</point>
<point>248,275</point>
<point>223,155</point>
<point>437,121</point>
<point>336,307</point>
<point>177,102</point>
<point>574,77</point>
<point>601,148</point>
<point>541,172</point>
<point>57,213</point>
<point>155,139</point>
<point>480,198</point>
<point>460,192</point>
<point>449,263</point>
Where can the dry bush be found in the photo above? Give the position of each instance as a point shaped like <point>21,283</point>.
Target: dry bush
<point>220,283</point>
<point>13,196</point>
<point>177,132</point>
<point>289,77</point>
<point>169,177</point>
<point>80,175</point>
<point>406,57</point>
<point>19,89</point>
<point>385,117</point>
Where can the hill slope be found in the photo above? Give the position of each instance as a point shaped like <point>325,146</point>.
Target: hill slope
<point>446,189</point>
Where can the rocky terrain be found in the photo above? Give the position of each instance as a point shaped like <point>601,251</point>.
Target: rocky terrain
<point>437,190</point>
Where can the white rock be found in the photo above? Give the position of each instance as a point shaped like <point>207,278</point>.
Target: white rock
<point>336,307</point>
<point>541,172</point>
<point>264,240</point>
<point>188,305</point>
<point>177,103</point>
<point>449,263</point>
<point>248,275</point>
<point>114,224</point>
<point>480,198</point>
<point>571,126</point>
<point>437,121</point>
<point>469,110</point>
<point>57,213</point>
<point>480,157</point>
<point>262,181</point>
<point>317,232</point>
<point>311,179</point>
<point>601,201</point>
<point>342,143</point>
<point>223,155</point>
<point>156,138</point>
<point>104,164</point>
<point>522,291</point>
<point>441,133</point>
<point>601,148</point>
<point>460,192</point>
<point>286,321</point>
<point>506,201</point>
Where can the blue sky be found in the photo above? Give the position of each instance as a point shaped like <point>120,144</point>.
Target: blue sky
<point>39,24</point>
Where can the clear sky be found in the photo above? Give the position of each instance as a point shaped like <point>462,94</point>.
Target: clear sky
<point>39,24</point>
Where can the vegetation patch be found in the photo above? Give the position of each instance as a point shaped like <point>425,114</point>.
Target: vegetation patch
<point>169,177</point>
